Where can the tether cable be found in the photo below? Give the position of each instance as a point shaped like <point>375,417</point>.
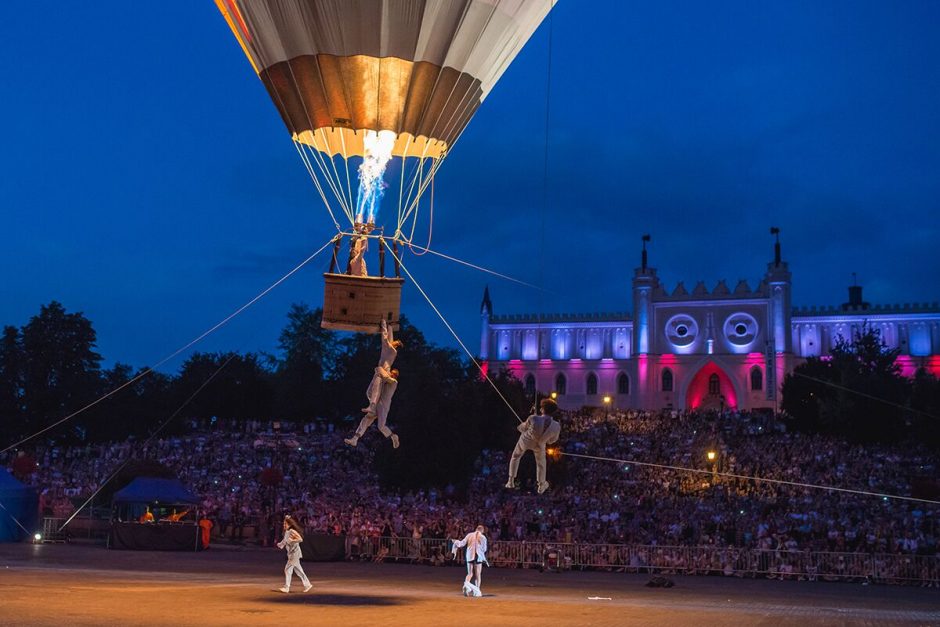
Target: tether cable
<point>475,266</point>
<point>864,395</point>
<point>188,345</point>
<point>14,519</point>
<point>751,478</point>
<point>456,337</point>
<point>650,464</point>
<point>150,437</point>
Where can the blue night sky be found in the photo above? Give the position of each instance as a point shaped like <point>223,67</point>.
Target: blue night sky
<point>148,181</point>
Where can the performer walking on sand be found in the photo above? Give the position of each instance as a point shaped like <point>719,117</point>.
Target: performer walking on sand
<point>291,543</point>
<point>537,432</point>
<point>475,542</point>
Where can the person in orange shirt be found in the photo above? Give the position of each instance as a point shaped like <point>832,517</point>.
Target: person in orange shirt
<point>205,527</point>
<point>174,517</point>
<point>146,517</point>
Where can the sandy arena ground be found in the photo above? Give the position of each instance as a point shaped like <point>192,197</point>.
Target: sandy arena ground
<point>89,585</point>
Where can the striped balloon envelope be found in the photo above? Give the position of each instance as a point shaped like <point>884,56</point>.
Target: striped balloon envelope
<point>375,93</point>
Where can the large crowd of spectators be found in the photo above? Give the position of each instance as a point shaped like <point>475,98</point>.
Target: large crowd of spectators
<point>248,473</point>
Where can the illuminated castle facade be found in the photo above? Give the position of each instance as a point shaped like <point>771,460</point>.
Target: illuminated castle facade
<point>719,348</point>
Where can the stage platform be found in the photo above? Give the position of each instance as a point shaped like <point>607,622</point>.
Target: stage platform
<point>89,585</point>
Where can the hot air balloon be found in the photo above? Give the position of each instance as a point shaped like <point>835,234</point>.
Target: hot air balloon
<point>375,93</point>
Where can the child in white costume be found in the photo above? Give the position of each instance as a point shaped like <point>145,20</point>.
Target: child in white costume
<point>537,432</point>
<point>475,554</point>
<point>291,543</point>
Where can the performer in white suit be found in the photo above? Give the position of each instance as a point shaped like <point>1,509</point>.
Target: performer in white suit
<point>381,389</point>
<point>387,357</point>
<point>537,432</point>
<point>475,554</point>
<point>358,245</point>
<point>383,403</point>
<point>291,543</point>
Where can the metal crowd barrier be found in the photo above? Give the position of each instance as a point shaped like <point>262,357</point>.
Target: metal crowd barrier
<point>50,530</point>
<point>678,560</point>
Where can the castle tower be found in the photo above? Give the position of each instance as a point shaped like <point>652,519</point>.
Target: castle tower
<point>644,281</point>
<point>778,280</point>
<point>486,312</point>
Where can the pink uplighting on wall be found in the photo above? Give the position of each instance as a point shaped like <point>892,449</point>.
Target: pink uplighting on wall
<point>933,366</point>
<point>907,365</point>
<point>698,388</point>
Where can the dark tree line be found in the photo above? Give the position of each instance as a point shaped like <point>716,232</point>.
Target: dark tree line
<point>858,392</point>
<point>443,410</point>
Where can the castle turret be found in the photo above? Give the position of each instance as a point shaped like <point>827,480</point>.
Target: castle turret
<point>855,298</point>
<point>778,280</point>
<point>486,312</point>
<point>644,282</point>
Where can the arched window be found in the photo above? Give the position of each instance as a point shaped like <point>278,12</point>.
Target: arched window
<point>714,385</point>
<point>667,380</point>
<point>623,384</point>
<point>561,384</point>
<point>757,379</point>
<point>592,384</point>
<point>530,385</point>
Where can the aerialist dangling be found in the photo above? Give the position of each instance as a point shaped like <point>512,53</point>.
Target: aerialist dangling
<point>537,432</point>
<point>381,389</point>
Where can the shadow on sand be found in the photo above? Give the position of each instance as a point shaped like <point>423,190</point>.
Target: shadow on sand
<point>315,598</point>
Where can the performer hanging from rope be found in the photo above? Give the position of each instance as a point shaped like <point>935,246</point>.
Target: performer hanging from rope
<point>475,554</point>
<point>291,543</point>
<point>387,387</point>
<point>387,357</point>
<point>537,432</point>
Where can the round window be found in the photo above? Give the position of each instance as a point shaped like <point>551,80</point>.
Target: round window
<point>681,330</point>
<point>741,330</point>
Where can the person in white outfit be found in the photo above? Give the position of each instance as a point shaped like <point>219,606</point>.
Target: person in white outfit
<point>383,403</point>
<point>358,246</point>
<point>381,389</point>
<point>387,357</point>
<point>475,555</point>
<point>537,432</point>
<point>291,543</point>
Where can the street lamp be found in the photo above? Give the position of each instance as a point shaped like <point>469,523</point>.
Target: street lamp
<point>554,395</point>
<point>606,406</point>
<point>712,457</point>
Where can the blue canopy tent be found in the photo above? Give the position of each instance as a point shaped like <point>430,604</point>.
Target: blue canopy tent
<point>148,490</point>
<point>161,496</point>
<point>20,506</point>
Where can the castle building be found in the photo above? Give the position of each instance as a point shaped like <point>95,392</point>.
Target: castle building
<point>719,348</point>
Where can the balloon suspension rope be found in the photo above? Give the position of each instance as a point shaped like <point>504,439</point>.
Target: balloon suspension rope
<point>753,478</point>
<point>456,337</point>
<point>144,444</point>
<point>175,353</point>
<point>729,475</point>
<point>476,267</point>
<point>14,518</point>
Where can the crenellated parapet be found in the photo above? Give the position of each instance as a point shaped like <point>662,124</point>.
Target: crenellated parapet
<point>742,290</point>
<point>553,318</point>
<point>877,309</point>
